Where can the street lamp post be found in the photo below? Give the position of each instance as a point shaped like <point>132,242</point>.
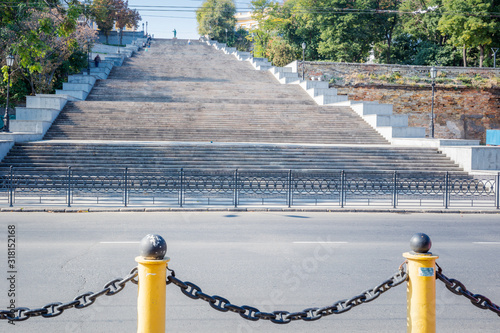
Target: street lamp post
<point>146,28</point>
<point>433,77</point>
<point>119,31</point>
<point>143,33</point>
<point>226,36</point>
<point>303,59</point>
<point>88,55</point>
<point>10,62</point>
<point>495,50</point>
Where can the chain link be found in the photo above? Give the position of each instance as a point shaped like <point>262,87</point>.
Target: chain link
<point>284,317</point>
<point>81,301</point>
<point>458,288</point>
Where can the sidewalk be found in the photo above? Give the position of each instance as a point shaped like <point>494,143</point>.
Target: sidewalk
<point>82,208</point>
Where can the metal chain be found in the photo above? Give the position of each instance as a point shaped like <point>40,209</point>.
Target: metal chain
<point>284,317</point>
<point>84,300</point>
<point>458,288</point>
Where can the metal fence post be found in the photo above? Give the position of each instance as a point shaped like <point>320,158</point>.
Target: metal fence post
<point>498,190</point>
<point>125,186</point>
<point>69,186</point>
<point>290,188</point>
<point>181,176</point>
<point>342,179</point>
<point>11,187</point>
<point>421,286</point>
<point>446,194</point>
<point>395,190</point>
<point>152,273</point>
<point>235,192</point>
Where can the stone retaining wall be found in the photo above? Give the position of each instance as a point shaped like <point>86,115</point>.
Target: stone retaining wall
<point>353,73</point>
<point>460,113</point>
<point>127,37</point>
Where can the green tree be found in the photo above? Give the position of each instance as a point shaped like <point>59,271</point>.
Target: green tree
<point>241,40</point>
<point>387,24</point>
<point>126,17</point>
<point>263,11</point>
<point>420,19</point>
<point>300,25</point>
<point>45,47</point>
<point>280,52</point>
<point>469,31</point>
<point>104,15</point>
<point>214,17</point>
<point>345,36</point>
<point>289,24</point>
<point>417,39</point>
<point>43,36</point>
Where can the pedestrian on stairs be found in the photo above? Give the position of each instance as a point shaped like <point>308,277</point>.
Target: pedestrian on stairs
<point>97,60</point>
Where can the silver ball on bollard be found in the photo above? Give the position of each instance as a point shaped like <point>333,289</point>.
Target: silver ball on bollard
<point>420,243</point>
<point>153,247</point>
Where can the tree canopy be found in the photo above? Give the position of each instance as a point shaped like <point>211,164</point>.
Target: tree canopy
<point>50,38</point>
<point>126,17</point>
<point>420,32</point>
<point>44,37</point>
<point>215,17</point>
<point>470,31</point>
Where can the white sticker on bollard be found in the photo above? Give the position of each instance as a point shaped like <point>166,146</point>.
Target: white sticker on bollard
<point>425,271</point>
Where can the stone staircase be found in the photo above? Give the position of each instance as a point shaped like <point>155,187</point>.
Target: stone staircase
<point>379,116</point>
<point>210,122</point>
<point>192,106</point>
<point>223,156</point>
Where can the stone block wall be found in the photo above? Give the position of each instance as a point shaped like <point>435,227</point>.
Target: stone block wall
<point>127,37</point>
<point>460,113</point>
<point>353,73</point>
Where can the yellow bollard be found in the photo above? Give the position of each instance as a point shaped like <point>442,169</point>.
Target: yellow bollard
<point>152,271</point>
<point>421,291</point>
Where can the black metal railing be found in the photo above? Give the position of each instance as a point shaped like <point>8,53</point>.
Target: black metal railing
<point>245,187</point>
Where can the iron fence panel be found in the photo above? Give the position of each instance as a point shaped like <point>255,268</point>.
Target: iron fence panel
<point>365,188</point>
<point>144,182</point>
<point>421,183</point>
<point>263,183</point>
<point>472,188</point>
<point>372,184</point>
<point>290,186</point>
<point>427,186</point>
<point>213,183</point>
<point>315,187</point>
<point>4,181</point>
<point>110,184</point>
<point>33,182</point>
<point>322,184</point>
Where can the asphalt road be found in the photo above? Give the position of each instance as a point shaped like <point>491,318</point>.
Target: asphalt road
<point>271,261</point>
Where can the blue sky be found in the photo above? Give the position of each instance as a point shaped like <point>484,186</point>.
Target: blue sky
<point>163,16</point>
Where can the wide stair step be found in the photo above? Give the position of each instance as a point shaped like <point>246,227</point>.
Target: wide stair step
<point>103,155</point>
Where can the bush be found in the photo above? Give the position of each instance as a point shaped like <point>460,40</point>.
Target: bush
<point>464,79</point>
<point>240,40</point>
<point>279,52</point>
